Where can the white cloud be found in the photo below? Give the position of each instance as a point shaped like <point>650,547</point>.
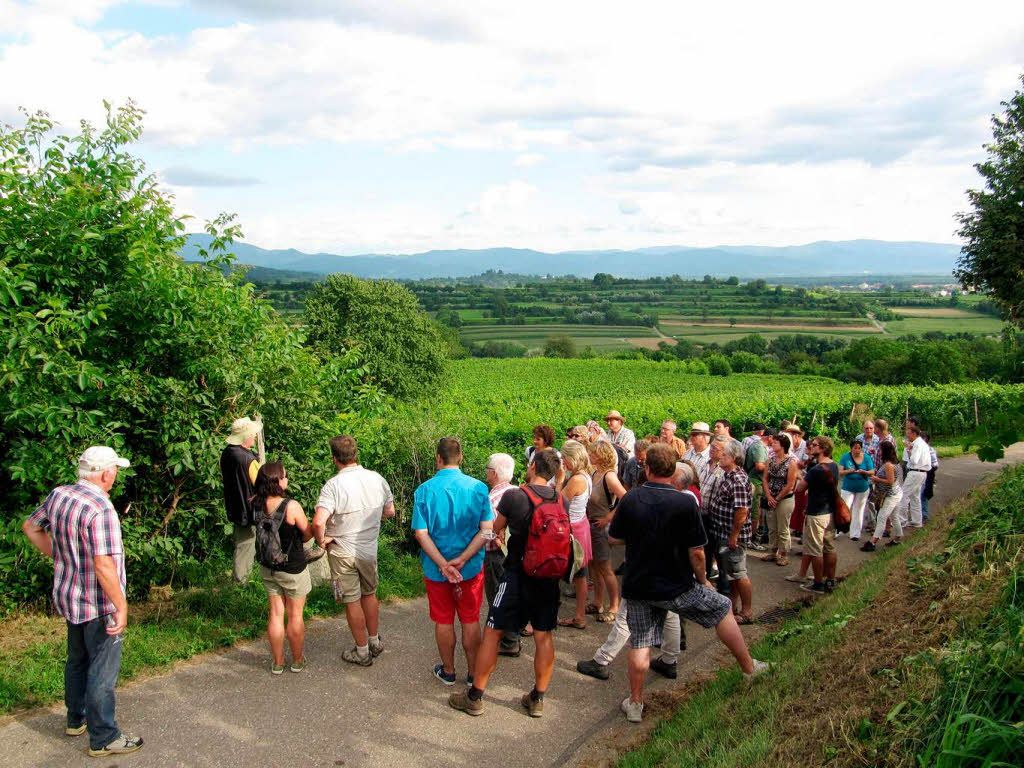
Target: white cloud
<point>529,159</point>
<point>705,124</point>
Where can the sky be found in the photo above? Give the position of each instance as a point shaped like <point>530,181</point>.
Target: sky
<point>399,126</point>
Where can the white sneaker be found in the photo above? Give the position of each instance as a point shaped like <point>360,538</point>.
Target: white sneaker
<point>634,710</point>
<point>760,667</point>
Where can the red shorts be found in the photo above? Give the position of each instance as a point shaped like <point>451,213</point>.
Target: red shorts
<point>446,598</point>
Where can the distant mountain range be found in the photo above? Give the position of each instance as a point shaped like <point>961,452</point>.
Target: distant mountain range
<point>846,257</point>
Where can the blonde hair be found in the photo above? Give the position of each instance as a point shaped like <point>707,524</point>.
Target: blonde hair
<point>575,455</point>
<point>602,456</point>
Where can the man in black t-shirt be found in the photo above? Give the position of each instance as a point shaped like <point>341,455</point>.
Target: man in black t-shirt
<point>665,571</point>
<point>519,598</point>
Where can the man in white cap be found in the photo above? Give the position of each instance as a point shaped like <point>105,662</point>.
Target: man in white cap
<point>238,468</point>
<point>78,527</point>
<point>618,433</point>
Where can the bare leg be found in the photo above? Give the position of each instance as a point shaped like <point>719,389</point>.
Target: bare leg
<point>471,642</point>
<point>543,660</point>
<point>445,636</point>
<point>606,577</point>
<point>486,657</point>
<point>356,622</point>
<point>598,591</point>
<point>831,558</point>
<point>805,564</point>
<point>296,626</point>
<point>746,592</point>
<point>639,663</point>
<point>580,585</point>
<point>818,564</point>
<point>371,610</point>
<point>729,633</point>
<point>275,629</point>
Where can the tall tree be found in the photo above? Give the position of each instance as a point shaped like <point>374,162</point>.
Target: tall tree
<point>992,258</point>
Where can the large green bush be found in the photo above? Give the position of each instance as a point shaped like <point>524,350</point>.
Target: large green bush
<point>107,336</point>
<point>404,350</point>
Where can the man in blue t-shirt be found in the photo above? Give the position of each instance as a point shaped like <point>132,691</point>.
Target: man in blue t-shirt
<point>451,520</point>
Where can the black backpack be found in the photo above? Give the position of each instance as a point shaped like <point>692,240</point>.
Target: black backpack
<point>268,538</point>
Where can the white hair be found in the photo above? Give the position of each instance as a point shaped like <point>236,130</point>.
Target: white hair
<point>732,447</point>
<point>683,476</point>
<point>90,474</point>
<point>504,466</point>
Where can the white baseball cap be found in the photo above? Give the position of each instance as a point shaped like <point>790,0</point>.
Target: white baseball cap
<point>96,458</point>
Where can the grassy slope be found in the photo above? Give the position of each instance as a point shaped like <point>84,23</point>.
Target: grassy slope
<point>917,657</point>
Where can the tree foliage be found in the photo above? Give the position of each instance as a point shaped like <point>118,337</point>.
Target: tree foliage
<point>107,336</point>
<point>560,345</point>
<point>403,349</point>
<point>992,258</point>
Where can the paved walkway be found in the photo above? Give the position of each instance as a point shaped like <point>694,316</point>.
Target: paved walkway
<point>227,710</point>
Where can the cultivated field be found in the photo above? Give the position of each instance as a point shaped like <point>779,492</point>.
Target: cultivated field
<point>533,336</point>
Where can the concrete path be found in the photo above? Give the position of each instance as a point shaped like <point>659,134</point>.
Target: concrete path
<point>227,710</point>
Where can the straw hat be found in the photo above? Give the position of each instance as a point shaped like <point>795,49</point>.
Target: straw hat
<point>794,428</point>
<point>614,415</point>
<point>700,428</point>
<point>242,430</point>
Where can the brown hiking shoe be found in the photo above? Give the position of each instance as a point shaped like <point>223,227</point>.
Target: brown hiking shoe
<point>463,703</point>
<point>533,708</point>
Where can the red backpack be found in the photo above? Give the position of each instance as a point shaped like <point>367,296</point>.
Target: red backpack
<point>548,552</point>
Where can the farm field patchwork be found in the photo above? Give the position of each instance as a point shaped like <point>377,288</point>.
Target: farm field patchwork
<point>920,320</point>
<point>533,336</point>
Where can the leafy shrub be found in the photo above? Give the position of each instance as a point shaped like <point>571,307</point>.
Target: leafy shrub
<point>560,346</point>
<point>107,336</point>
<point>403,349</point>
<point>718,365</point>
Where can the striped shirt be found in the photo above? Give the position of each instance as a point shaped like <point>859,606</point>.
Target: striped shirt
<point>496,493</point>
<point>83,524</point>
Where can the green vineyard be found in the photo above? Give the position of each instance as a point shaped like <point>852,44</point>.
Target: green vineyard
<point>492,405</point>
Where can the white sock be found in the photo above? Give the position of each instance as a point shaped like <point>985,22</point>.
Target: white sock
<point>374,639</point>
<point>363,651</point>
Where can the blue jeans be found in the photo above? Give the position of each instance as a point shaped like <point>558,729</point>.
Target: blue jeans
<point>94,661</point>
<point>924,505</point>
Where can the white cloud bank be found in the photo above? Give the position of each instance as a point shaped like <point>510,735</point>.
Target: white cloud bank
<point>746,123</point>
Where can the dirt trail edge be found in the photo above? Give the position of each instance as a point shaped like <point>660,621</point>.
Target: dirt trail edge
<point>227,710</point>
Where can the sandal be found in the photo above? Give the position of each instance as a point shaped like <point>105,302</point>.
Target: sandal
<point>573,622</point>
<point>782,561</point>
<point>770,558</point>
<point>593,608</point>
<point>526,631</point>
<point>606,617</point>
<point>742,619</point>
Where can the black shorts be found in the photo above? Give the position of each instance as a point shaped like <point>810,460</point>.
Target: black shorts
<point>520,599</point>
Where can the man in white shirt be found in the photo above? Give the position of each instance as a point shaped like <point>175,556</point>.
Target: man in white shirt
<point>699,453</point>
<point>347,523</point>
<point>919,462</point>
<point>618,433</point>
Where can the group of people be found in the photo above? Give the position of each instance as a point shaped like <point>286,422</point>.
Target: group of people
<point>685,510</point>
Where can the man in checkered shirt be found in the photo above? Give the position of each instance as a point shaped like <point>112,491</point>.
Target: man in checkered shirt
<point>78,527</point>
<point>729,512</point>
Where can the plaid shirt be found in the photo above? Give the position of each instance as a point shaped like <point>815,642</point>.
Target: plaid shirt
<point>82,523</point>
<point>732,493</point>
<point>702,461</point>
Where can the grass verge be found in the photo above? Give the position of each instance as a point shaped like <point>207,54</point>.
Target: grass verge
<point>917,659</point>
<point>189,623</point>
